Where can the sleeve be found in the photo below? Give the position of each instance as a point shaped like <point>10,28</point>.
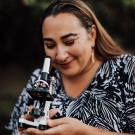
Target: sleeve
<point>22,104</point>
<point>130,92</point>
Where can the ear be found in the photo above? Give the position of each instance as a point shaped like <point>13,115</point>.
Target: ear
<point>93,34</point>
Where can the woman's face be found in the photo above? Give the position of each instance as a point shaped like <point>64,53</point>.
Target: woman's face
<point>68,43</point>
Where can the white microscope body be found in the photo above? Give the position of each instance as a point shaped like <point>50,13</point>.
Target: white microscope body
<point>42,90</point>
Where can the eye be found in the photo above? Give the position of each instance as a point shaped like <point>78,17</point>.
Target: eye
<point>49,46</point>
<point>69,42</point>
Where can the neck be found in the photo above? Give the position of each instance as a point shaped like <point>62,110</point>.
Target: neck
<point>76,84</point>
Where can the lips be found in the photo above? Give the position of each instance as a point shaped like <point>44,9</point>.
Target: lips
<point>66,65</point>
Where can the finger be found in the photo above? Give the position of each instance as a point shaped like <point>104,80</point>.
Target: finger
<point>50,131</point>
<point>54,124</point>
<point>22,131</point>
<point>57,122</point>
<point>30,108</point>
<point>27,117</point>
<point>52,112</point>
<point>22,116</point>
<point>34,131</point>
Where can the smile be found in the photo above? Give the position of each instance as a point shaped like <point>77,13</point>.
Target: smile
<point>66,65</point>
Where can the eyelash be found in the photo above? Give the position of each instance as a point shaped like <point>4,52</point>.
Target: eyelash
<point>49,46</point>
<point>69,43</point>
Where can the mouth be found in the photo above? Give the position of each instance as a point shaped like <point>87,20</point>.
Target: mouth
<point>66,65</point>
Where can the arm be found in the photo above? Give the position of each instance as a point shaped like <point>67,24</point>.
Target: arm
<point>71,126</point>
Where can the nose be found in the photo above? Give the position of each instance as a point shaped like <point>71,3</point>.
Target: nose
<point>62,54</point>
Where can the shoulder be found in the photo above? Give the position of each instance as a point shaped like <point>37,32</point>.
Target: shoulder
<point>128,63</point>
<point>127,69</point>
<point>122,66</point>
<point>35,74</point>
<point>123,61</point>
<point>127,58</point>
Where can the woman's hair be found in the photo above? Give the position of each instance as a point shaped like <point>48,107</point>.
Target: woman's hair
<point>105,47</point>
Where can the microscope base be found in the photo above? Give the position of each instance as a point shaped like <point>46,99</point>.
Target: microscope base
<point>29,124</point>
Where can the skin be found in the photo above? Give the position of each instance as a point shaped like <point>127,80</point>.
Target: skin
<point>70,52</point>
<point>70,46</point>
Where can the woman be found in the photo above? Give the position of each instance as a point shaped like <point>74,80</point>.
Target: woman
<point>95,80</point>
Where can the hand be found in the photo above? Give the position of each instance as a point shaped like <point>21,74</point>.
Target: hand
<point>29,117</point>
<point>62,126</point>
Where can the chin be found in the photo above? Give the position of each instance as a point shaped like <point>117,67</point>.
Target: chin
<point>69,74</point>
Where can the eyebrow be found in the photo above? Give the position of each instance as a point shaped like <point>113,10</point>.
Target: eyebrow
<point>63,37</point>
<point>68,35</point>
<point>47,39</point>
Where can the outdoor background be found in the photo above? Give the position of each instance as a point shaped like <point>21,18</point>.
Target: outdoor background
<point>20,48</point>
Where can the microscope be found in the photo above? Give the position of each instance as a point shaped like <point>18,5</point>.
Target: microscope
<point>41,90</point>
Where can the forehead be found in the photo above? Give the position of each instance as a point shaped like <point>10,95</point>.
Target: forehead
<point>63,22</point>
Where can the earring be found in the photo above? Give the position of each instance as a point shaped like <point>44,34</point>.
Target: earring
<point>92,57</point>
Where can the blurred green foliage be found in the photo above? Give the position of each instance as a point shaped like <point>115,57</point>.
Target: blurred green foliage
<point>19,41</point>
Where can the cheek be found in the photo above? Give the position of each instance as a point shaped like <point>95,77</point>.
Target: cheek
<point>50,53</point>
<point>77,50</point>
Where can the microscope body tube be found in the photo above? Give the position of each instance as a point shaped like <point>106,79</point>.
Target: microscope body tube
<point>46,68</point>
